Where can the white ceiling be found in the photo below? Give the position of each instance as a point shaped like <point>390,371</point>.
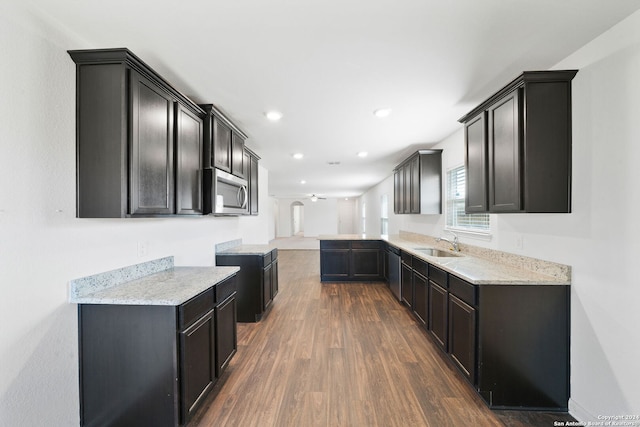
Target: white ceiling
<point>327,65</point>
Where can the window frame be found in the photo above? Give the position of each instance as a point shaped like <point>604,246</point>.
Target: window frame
<point>384,215</point>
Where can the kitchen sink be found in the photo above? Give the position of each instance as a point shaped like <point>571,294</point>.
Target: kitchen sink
<point>436,252</point>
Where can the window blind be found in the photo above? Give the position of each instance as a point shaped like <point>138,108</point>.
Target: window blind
<point>456,218</point>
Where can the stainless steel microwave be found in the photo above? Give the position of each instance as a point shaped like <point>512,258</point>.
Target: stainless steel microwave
<point>225,194</point>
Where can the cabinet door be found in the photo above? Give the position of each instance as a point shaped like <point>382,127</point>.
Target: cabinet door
<point>221,145</point>
<point>253,186</point>
<point>414,202</point>
<point>476,164</point>
<point>266,286</point>
<point>198,363</point>
<point>397,191</point>
<point>505,193</point>
<point>406,278</point>
<point>406,200</point>
<point>462,336</point>
<point>366,264</point>
<point>188,162</point>
<point>385,265</point>
<point>334,264</point>
<point>151,149</point>
<point>438,313</point>
<point>226,333</point>
<point>274,278</point>
<point>420,297</point>
<point>237,156</point>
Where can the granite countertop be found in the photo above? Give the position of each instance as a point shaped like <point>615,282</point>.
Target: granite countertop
<point>247,250</point>
<point>172,286</point>
<point>474,269</point>
<point>351,237</point>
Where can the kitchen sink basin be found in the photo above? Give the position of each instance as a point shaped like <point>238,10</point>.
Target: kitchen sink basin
<point>436,252</point>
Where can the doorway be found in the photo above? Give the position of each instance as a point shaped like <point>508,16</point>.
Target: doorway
<point>346,216</point>
<point>297,219</point>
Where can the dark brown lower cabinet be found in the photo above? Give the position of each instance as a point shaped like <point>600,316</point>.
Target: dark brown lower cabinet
<point>153,365</point>
<point>198,362</point>
<point>226,333</point>
<point>462,336</point>
<point>438,310</point>
<point>406,286</point>
<point>266,286</point>
<point>274,278</point>
<point>523,346</point>
<point>348,261</point>
<point>510,341</point>
<point>420,297</point>
<point>257,282</point>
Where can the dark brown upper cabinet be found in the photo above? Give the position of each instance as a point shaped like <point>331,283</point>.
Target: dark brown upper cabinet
<point>136,137</point>
<point>518,146</point>
<point>476,161</point>
<point>418,184</point>
<point>237,156</point>
<point>188,162</point>
<point>251,160</point>
<point>223,142</point>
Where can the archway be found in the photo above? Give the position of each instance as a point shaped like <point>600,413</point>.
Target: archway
<point>297,219</point>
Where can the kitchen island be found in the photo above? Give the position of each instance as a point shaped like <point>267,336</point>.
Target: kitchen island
<point>257,279</point>
<point>501,319</point>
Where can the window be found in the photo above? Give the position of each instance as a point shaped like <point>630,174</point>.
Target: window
<point>364,218</point>
<point>384,215</point>
<point>456,218</point>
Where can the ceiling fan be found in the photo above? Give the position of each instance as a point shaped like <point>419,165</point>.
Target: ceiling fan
<point>315,198</point>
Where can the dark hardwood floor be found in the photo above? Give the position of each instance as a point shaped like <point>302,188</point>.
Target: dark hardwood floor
<point>344,354</point>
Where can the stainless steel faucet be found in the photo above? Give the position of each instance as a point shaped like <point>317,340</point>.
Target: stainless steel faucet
<point>453,242</point>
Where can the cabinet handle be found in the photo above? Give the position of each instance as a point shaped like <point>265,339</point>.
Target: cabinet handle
<point>245,198</point>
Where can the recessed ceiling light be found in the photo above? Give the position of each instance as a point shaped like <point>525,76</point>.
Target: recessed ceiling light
<point>298,156</point>
<point>303,182</point>
<point>273,115</point>
<point>363,154</point>
<point>382,112</point>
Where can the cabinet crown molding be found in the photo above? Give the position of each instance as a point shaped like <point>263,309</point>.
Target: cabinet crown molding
<point>521,80</point>
<point>124,56</point>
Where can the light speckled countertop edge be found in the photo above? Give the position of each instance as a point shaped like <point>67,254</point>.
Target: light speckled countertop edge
<point>170,287</point>
<point>100,281</point>
<point>475,270</point>
<point>247,250</point>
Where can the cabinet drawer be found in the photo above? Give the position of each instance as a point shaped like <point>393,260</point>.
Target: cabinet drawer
<point>438,276</point>
<point>365,244</point>
<point>420,266</point>
<point>406,258</point>
<point>334,244</point>
<point>463,290</point>
<point>274,255</point>
<point>266,260</point>
<point>225,288</point>
<point>193,309</point>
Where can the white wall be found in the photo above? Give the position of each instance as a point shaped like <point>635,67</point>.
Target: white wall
<point>320,217</point>
<point>601,238</point>
<point>43,246</point>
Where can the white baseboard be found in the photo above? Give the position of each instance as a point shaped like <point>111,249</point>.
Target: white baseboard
<point>580,413</point>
